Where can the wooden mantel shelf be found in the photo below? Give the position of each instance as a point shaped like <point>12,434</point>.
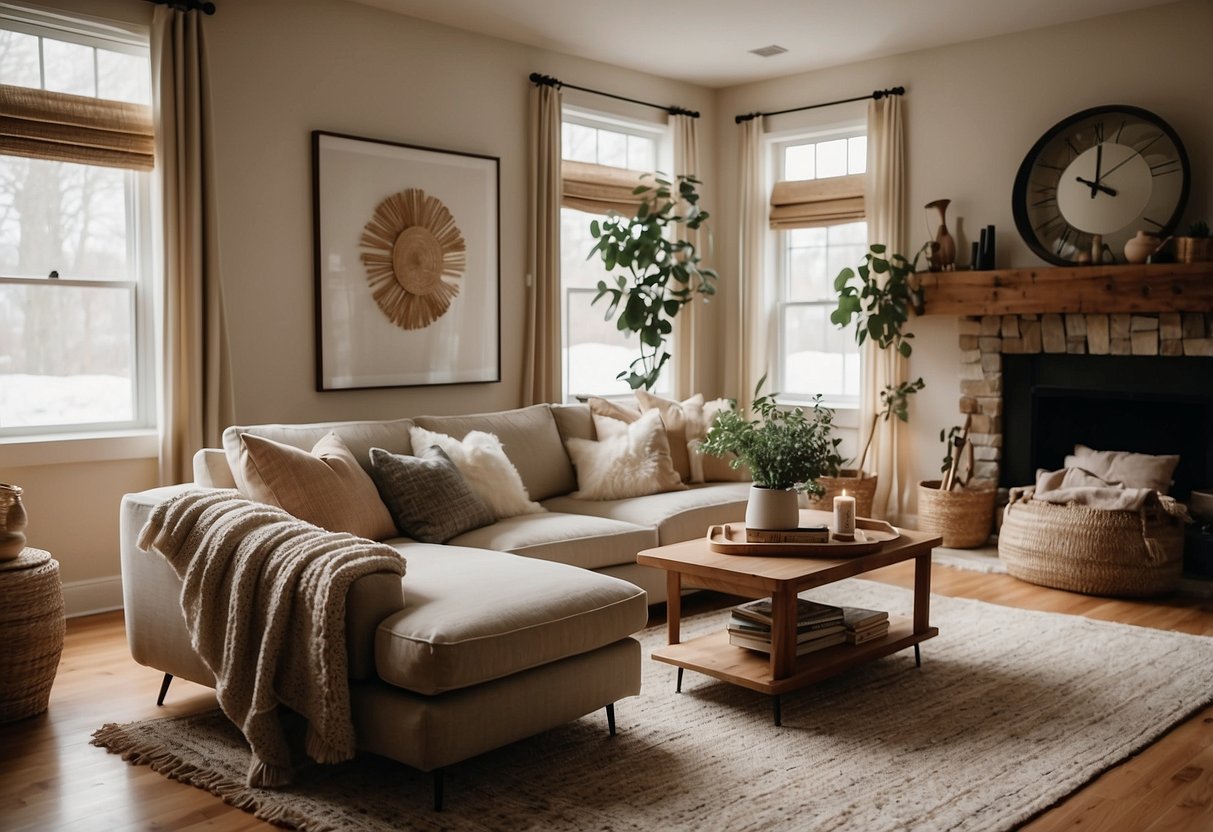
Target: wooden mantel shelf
<point>1172,287</point>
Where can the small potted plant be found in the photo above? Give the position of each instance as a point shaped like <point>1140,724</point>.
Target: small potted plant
<point>962,517</point>
<point>786,450</point>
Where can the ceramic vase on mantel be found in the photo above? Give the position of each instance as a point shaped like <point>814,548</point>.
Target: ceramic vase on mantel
<point>1139,248</point>
<point>944,250</point>
<point>12,522</point>
<point>772,508</point>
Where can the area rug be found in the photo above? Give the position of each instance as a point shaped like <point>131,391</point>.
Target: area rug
<point>1011,711</point>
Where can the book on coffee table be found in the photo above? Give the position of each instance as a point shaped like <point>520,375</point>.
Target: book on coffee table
<point>807,612</point>
<point>818,640</point>
<point>807,534</point>
<point>864,625</point>
<point>737,622</point>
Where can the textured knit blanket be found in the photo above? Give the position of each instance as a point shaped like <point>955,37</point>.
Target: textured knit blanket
<point>264,597</point>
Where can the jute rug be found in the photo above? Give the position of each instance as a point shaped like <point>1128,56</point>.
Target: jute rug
<point>1010,712</point>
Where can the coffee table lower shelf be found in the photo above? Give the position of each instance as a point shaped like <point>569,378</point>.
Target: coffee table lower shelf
<point>713,656</point>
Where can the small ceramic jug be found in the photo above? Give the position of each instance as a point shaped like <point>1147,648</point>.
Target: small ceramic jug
<point>12,522</point>
<point>1141,247</point>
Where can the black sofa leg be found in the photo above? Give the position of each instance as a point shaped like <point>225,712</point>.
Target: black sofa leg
<point>438,783</point>
<point>168,678</point>
<point>611,718</point>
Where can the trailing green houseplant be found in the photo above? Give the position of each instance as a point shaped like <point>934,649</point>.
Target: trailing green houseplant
<point>785,449</point>
<point>662,271</point>
<point>881,300</point>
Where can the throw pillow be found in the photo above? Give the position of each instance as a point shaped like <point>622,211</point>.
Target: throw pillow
<point>611,418</point>
<point>326,487</point>
<point>708,468</point>
<point>427,496</point>
<point>1134,470</point>
<point>635,463</point>
<point>488,471</point>
<point>683,421</point>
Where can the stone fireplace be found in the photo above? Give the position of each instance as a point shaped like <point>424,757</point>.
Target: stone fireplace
<point>1034,384</point>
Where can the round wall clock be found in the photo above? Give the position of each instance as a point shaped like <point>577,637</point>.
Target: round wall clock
<point>1107,171</point>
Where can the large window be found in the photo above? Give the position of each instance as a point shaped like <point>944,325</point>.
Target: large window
<point>819,231</point>
<point>74,239</point>
<point>595,352</point>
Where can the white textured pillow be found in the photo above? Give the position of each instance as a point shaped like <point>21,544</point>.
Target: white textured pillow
<point>633,464</point>
<point>488,471</point>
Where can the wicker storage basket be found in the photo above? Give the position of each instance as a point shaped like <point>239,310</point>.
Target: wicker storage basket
<point>861,487</point>
<point>31,633</point>
<point>961,518</point>
<point>1089,550</point>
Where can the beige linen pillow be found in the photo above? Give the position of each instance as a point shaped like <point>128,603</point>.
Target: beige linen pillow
<point>683,421</point>
<point>1134,470</point>
<point>635,463</point>
<point>326,487</point>
<point>488,471</point>
<point>611,418</point>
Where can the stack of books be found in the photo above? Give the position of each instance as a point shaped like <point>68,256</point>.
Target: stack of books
<point>817,626</point>
<point>864,625</point>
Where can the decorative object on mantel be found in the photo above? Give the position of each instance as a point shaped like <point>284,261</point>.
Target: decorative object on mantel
<point>31,633</point>
<point>942,256</point>
<point>12,521</point>
<point>1197,246</point>
<point>1104,171</point>
<point>986,252</point>
<point>960,516</point>
<point>785,450</point>
<point>1139,249</point>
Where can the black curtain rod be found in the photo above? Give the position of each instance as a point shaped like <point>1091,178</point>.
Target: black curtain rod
<point>549,81</point>
<point>203,6</point>
<point>877,94</point>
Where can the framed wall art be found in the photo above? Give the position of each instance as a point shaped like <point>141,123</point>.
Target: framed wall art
<point>407,259</point>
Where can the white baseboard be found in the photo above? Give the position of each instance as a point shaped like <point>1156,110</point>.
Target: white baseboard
<point>92,596</point>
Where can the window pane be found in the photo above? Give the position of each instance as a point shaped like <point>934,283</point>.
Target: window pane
<point>69,67</point>
<point>576,270</point>
<point>857,154</point>
<point>579,143</point>
<point>798,161</point>
<point>63,217</point>
<point>831,158</point>
<point>848,233</point>
<point>642,153</point>
<point>67,355</point>
<point>19,60</point>
<point>123,77</point>
<point>807,237</point>
<point>612,149</point>
<point>597,352</point>
<point>818,356</point>
<point>807,274</point>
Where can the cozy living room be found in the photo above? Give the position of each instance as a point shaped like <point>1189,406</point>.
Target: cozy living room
<point>539,415</point>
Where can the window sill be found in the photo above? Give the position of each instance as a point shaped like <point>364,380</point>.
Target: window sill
<point>66,448</point>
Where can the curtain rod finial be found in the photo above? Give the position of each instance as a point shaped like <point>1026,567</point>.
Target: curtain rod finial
<point>544,80</point>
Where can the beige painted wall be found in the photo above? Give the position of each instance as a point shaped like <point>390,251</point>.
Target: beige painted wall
<point>973,110</point>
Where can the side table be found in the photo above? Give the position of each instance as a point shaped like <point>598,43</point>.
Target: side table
<point>32,626</point>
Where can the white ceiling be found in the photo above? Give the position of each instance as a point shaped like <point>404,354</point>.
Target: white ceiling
<point>706,42</point>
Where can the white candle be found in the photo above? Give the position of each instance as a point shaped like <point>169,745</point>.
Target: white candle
<point>844,516</point>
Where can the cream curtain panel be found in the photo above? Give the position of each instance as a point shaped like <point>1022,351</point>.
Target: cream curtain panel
<point>754,325</point>
<point>40,124</point>
<point>196,388</point>
<point>598,189</point>
<point>689,366</point>
<point>542,367</point>
<point>886,213</point>
<point>817,202</point>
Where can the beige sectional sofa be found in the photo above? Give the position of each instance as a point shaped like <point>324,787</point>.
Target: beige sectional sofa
<point>502,632</point>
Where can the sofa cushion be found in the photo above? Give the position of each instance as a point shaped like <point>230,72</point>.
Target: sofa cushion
<point>473,615</point>
<point>487,470</point>
<point>634,463</point>
<point>325,487</point>
<point>427,496</point>
<point>359,437</point>
<point>530,439</point>
<point>573,421</point>
<point>677,515</point>
<point>683,421</point>
<point>577,539</point>
<point>211,469</point>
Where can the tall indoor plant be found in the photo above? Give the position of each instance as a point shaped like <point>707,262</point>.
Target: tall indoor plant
<point>786,451</point>
<point>663,271</point>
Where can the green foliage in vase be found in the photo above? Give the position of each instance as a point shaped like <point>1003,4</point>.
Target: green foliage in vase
<point>663,272</point>
<point>949,439</point>
<point>783,448</point>
<point>1199,228</point>
<point>881,300</point>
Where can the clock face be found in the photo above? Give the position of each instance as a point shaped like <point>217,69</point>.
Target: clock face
<point>1107,171</point>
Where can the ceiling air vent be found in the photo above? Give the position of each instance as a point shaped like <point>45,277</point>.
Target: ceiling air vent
<point>768,51</point>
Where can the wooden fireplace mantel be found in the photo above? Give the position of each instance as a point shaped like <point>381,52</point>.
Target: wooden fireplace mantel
<point>1171,287</point>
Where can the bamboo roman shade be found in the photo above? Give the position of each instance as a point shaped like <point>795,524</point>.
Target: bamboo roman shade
<point>73,128</point>
<point>598,188</point>
<point>815,202</point>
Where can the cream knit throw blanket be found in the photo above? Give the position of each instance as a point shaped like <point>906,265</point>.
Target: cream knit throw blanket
<point>264,597</point>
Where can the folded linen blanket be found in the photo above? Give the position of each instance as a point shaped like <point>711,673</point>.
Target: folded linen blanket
<point>1076,486</point>
<point>264,597</point>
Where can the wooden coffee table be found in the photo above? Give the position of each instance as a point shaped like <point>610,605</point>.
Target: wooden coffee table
<point>694,564</point>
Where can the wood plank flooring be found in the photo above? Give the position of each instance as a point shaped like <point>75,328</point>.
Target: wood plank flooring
<point>52,779</point>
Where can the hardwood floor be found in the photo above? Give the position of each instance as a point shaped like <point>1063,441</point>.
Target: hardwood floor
<point>52,779</point>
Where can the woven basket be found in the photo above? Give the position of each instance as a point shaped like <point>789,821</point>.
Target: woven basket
<point>962,518</point>
<point>1193,249</point>
<point>861,487</point>
<point>31,633</point>
<point>1094,551</point>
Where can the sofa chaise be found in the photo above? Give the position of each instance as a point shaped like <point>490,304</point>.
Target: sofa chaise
<point>502,632</point>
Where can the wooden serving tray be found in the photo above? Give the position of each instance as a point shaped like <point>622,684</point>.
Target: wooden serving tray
<point>870,535</point>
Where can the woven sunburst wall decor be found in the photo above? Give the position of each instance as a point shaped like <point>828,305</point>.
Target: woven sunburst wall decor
<point>415,257</point>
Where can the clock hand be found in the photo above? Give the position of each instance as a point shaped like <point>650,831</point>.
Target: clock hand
<point>1135,153</point>
<point>1098,167</point>
<point>1095,186</point>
